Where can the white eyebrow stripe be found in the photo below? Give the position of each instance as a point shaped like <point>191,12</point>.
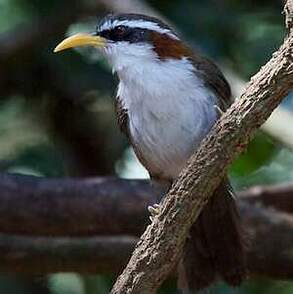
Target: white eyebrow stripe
<point>142,24</point>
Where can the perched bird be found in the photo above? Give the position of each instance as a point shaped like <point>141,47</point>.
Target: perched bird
<point>168,99</point>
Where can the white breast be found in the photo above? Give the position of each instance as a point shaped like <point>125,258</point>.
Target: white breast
<point>170,111</point>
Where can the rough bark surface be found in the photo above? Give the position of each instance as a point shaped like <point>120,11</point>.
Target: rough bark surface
<point>160,246</point>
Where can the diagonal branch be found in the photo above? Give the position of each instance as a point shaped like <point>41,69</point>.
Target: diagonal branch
<point>160,246</point>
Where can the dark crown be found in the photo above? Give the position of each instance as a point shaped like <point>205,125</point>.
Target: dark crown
<point>132,28</point>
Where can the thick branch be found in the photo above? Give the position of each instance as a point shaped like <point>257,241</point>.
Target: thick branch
<point>161,245</point>
<point>268,257</point>
<point>51,207</point>
<point>43,255</point>
<point>267,254</point>
<point>278,125</point>
<point>102,206</point>
<point>279,196</point>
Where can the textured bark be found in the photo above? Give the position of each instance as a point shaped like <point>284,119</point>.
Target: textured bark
<point>102,205</point>
<point>160,246</point>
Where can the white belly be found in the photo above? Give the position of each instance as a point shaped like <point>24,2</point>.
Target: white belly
<point>167,123</point>
<point>166,140</point>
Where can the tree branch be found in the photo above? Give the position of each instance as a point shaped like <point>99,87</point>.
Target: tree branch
<point>43,255</point>
<point>268,255</point>
<point>275,196</point>
<point>278,125</point>
<point>62,221</point>
<point>160,246</point>
<point>103,206</point>
<point>52,206</point>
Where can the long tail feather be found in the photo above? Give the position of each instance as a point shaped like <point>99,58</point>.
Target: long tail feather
<point>216,245</point>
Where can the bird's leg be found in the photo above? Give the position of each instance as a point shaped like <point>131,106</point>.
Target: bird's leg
<point>153,210</point>
<point>161,187</point>
<point>220,111</point>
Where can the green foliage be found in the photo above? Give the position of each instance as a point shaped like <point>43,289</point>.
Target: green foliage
<point>66,284</point>
<point>276,171</point>
<point>263,286</point>
<point>11,14</point>
<point>259,152</point>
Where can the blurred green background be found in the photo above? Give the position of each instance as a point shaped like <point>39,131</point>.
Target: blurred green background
<point>57,116</point>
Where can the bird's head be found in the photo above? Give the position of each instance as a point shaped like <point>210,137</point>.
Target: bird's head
<point>131,40</point>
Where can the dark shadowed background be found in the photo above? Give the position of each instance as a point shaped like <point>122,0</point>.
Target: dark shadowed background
<point>57,115</point>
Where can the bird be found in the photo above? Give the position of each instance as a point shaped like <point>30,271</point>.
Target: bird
<point>169,96</point>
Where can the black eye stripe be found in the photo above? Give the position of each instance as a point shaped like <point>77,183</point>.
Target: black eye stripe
<point>120,30</point>
<point>125,33</point>
<point>114,34</point>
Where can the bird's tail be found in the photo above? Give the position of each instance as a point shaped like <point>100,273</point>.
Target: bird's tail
<point>215,248</point>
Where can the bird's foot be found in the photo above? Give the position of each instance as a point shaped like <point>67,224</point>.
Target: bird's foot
<point>153,210</point>
<point>220,111</point>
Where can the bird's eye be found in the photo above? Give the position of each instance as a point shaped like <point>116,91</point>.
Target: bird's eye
<point>120,31</point>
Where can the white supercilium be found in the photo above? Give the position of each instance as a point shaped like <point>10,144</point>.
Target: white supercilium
<point>142,24</point>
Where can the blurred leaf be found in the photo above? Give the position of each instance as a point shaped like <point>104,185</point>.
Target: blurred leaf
<point>128,167</point>
<point>277,171</point>
<point>260,33</point>
<point>169,287</point>
<point>66,284</point>
<point>18,129</point>
<point>12,14</point>
<point>99,284</point>
<point>259,152</point>
<point>39,160</point>
<point>266,286</point>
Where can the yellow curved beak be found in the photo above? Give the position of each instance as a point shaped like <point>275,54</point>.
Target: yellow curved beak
<point>79,40</point>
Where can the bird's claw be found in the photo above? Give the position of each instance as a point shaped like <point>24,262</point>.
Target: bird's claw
<point>153,210</point>
<point>220,111</point>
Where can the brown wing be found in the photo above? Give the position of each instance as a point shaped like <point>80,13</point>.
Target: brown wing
<point>214,79</point>
<point>122,117</point>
